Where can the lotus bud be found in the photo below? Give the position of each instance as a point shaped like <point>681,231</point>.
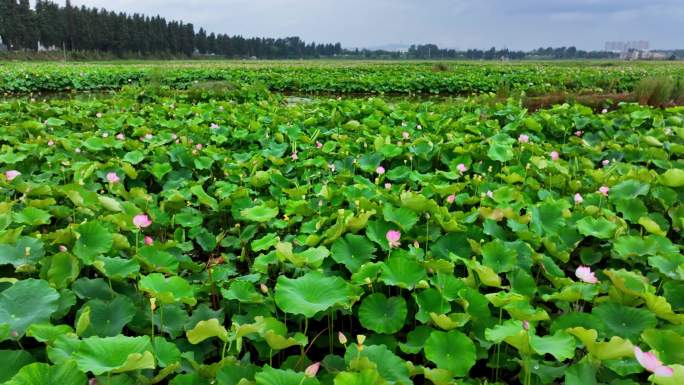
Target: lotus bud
<point>360,339</point>
<point>263,288</point>
<point>153,303</point>
<point>312,369</point>
<point>342,338</point>
<point>422,284</point>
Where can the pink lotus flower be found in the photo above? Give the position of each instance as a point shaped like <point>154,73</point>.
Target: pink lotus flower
<point>148,136</point>
<point>98,115</point>
<point>526,325</point>
<point>462,167</point>
<point>319,144</point>
<point>579,133</point>
<point>490,194</point>
<point>263,288</point>
<point>380,170</point>
<point>604,111</point>
<point>605,162</point>
<point>149,241</point>
<point>393,237</point>
<point>77,150</point>
<point>554,156</point>
<point>199,146</point>
<point>11,174</point>
<point>651,363</point>
<point>105,135</point>
<point>388,186</point>
<point>174,136</point>
<point>405,135</point>
<point>214,126</point>
<point>585,274</point>
<point>523,138</point>
<point>51,143</point>
<point>120,136</point>
<point>294,156</point>
<point>603,190</point>
<point>141,221</point>
<point>451,198</point>
<point>419,127</point>
<point>312,369</point>
<point>63,248</point>
<point>113,178</point>
<point>578,198</point>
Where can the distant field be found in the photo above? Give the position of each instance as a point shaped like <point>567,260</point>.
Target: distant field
<point>345,77</point>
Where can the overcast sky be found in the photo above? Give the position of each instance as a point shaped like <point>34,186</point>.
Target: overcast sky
<point>515,24</point>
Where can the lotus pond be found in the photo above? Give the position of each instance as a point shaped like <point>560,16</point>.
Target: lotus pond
<point>234,237</point>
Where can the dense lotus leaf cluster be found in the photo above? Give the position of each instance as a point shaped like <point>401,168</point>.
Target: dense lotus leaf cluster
<point>340,76</point>
<point>238,238</point>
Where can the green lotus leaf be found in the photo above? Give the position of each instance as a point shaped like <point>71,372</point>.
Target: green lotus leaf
<point>624,321</point>
<point>259,213</point>
<point>364,377</point>
<point>392,368</point>
<point>265,242</point>
<point>114,354</point>
<point>629,189</point>
<point>498,256</point>
<point>501,148</point>
<point>32,216</point>
<point>108,318</point>
<point>158,260</point>
<point>166,353</point>
<point>242,291</point>
<point>672,178</point>
<point>204,198</point>
<point>168,290</point>
<point>110,203</point>
<point>451,321</point>
<point>352,251</point>
<point>93,240</point>
<point>207,329</point>
<point>631,209</point>
<point>44,374</point>
<point>415,340</point>
<point>16,311</point>
<point>271,376</point>
<point>12,361</point>
<point>451,350</point>
<point>133,157</point>
<point>381,314</point>
<point>117,268</point>
<point>582,373</point>
<point>430,301</point>
<point>561,345</point>
<point>547,217</point>
<point>48,333</point>
<point>600,228</point>
<point>615,348</point>
<point>25,250</point>
<point>313,293</point>
<point>651,226</point>
<point>404,218</point>
<point>160,169</point>
<point>403,270</point>
<point>376,231</point>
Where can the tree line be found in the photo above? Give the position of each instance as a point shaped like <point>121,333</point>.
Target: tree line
<point>90,29</point>
<point>87,29</point>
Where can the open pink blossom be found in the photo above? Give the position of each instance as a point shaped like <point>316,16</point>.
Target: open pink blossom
<point>214,126</point>
<point>585,274</point>
<point>605,162</point>
<point>319,144</point>
<point>51,143</point>
<point>149,241</point>
<point>148,136</point>
<point>604,111</point>
<point>554,156</point>
<point>462,167</point>
<point>405,135</point>
<point>579,133</point>
<point>380,170</point>
<point>199,146</point>
<point>451,198</point>
<point>578,198</point>
<point>312,369</point>
<point>120,136</point>
<point>603,190</point>
<point>141,221</point>
<point>63,248</point>
<point>11,174</point>
<point>490,194</point>
<point>651,363</point>
<point>388,186</point>
<point>393,237</point>
<point>523,138</point>
<point>113,178</point>
<point>294,156</point>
